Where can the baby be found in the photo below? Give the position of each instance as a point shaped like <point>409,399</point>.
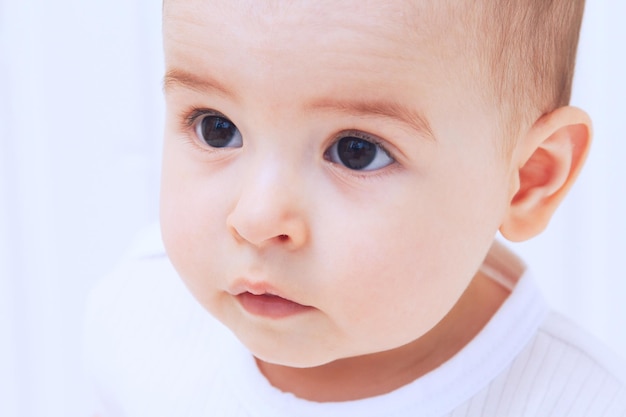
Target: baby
<point>334,175</point>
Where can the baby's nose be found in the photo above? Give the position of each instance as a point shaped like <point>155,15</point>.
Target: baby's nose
<point>270,210</point>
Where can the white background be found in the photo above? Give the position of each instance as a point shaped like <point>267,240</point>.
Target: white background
<point>80,132</point>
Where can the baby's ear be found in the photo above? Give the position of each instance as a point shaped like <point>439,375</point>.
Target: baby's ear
<point>549,159</point>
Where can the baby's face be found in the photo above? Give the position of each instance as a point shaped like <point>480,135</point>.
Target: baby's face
<point>331,180</point>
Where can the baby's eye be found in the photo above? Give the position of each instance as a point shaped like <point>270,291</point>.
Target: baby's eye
<point>358,154</point>
<point>218,132</point>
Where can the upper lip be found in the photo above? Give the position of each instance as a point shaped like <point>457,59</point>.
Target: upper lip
<point>242,285</point>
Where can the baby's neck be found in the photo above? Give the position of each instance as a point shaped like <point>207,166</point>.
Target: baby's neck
<point>379,373</point>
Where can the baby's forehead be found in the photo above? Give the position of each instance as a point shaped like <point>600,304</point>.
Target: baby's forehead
<point>359,38</point>
<point>410,17</point>
<point>423,26</point>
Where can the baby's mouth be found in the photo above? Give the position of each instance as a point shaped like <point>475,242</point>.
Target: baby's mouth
<point>270,305</point>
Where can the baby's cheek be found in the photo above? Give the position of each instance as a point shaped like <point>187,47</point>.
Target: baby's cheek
<point>403,280</point>
<point>179,228</point>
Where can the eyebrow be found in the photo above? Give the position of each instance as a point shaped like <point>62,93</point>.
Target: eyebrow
<point>389,109</point>
<point>179,78</point>
<point>176,78</point>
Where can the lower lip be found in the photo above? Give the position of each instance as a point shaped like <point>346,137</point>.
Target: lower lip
<point>270,306</point>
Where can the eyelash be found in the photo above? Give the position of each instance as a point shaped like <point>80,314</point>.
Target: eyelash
<point>365,136</point>
<point>191,116</point>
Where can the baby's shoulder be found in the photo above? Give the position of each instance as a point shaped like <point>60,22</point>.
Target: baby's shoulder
<point>563,370</point>
<point>564,334</point>
<point>143,289</point>
<point>146,335</point>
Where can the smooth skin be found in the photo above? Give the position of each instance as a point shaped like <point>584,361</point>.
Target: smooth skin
<point>386,256</point>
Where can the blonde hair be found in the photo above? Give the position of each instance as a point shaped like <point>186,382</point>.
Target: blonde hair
<point>530,54</point>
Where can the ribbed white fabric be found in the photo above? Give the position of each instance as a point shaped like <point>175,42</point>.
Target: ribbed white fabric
<point>153,351</point>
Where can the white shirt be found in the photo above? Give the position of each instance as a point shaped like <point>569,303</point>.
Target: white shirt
<point>154,351</point>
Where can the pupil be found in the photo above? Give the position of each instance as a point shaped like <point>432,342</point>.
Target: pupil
<point>216,131</point>
<point>356,153</point>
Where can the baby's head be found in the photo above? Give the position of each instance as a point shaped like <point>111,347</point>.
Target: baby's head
<point>335,172</point>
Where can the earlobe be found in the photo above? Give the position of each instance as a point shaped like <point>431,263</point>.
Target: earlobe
<point>549,159</point>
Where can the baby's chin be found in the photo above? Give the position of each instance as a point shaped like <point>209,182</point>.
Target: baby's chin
<point>306,357</point>
<point>300,358</point>
<point>310,351</point>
